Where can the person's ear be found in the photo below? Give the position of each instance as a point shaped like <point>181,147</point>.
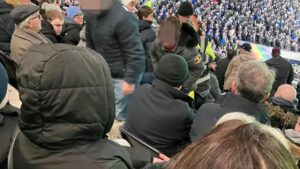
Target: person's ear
<point>233,87</point>
<point>28,24</point>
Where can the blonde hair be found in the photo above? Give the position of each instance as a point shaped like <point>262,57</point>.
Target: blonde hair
<point>236,116</point>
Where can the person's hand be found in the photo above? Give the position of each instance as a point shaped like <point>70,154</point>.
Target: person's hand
<point>212,66</point>
<point>162,158</point>
<point>297,126</point>
<point>127,88</point>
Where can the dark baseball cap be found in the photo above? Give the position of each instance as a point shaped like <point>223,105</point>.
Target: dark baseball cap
<point>246,46</point>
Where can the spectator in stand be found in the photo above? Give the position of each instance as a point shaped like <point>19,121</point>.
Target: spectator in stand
<point>284,70</point>
<point>251,87</point>
<point>27,32</point>
<point>222,65</point>
<point>52,26</point>
<point>159,114</point>
<point>233,67</point>
<point>239,145</point>
<point>67,127</point>
<point>148,35</point>
<point>282,108</point>
<point>114,32</point>
<point>7,25</point>
<point>272,23</point>
<point>170,40</point>
<point>285,97</point>
<point>72,25</point>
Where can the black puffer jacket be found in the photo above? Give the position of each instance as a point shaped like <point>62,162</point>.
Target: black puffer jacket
<point>68,107</point>
<point>114,33</point>
<point>48,31</point>
<point>148,35</point>
<point>7,27</point>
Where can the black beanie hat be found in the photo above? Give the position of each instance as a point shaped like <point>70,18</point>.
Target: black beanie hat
<point>20,13</point>
<point>185,9</point>
<point>172,69</point>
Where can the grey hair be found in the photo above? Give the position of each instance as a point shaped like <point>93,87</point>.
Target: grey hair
<point>23,24</point>
<point>255,80</point>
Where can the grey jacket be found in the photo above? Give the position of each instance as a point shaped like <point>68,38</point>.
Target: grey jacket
<point>23,39</point>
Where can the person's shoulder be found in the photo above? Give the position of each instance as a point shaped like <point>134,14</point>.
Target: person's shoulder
<point>117,155</point>
<point>205,118</point>
<point>208,107</point>
<point>107,149</point>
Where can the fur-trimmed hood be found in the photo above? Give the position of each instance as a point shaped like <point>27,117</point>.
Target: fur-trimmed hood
<point>280,118</point>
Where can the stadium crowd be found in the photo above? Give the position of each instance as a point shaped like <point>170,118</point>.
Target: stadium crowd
<point>272,23</point>
<point>98,84</point>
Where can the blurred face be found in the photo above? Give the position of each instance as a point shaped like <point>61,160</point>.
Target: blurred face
<point>167,36</point>
<point>78,19</point>
<point>57,25</point>
<point>95,5</point>
<point>34,24</point>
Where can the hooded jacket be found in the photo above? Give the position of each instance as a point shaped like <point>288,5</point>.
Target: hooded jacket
<point>285,104</point>
<point>233,68</point>
<point>147,35</point>
<point>48,31</point>
<point>7,27</point>
<point>279,117</point>
<point>114,33</point>
<point>71,31</point>
<point>187,49</point>
<point>68,107</point>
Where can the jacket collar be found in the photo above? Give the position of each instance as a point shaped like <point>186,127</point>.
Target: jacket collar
<point>170,91</point>
<point>30,35</point>
<point>238,102</point>
<point>285,104</point>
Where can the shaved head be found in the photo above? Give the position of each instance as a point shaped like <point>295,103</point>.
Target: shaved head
<point>287,92</point>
